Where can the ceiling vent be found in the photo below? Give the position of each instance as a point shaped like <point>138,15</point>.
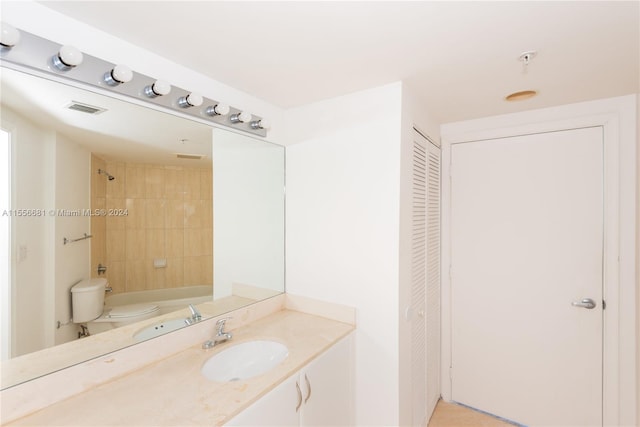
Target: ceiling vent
<point>190,156</point>
<point>85,108</point>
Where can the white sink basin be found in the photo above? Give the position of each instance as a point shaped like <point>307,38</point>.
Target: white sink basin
<point>244,361</point>
<point>159,329</point>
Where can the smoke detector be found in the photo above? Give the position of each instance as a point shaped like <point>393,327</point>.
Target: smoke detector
<point>527,57</point>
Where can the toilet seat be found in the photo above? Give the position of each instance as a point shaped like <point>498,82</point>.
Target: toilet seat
<point>132,310</point>
<point>124,312</point>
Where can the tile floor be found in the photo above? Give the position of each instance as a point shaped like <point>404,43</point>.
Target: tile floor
<point>453,415</point>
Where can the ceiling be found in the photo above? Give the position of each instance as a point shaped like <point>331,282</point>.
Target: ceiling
<point>460,58</point>
<point>142,135</point>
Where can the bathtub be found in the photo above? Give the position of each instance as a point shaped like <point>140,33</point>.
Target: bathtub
<point>167,300</point>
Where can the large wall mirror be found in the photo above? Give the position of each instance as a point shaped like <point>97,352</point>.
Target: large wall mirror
<point>177,219</point>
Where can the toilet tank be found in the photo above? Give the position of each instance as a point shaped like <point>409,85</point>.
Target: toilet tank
<point>87,299</point>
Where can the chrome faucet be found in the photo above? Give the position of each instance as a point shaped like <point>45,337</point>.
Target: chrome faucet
<point>195,315</point>
<point>220,336</point>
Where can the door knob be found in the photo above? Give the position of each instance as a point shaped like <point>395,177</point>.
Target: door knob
<point>587,303</point>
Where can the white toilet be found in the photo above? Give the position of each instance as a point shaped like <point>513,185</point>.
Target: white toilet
<point>87,304</point>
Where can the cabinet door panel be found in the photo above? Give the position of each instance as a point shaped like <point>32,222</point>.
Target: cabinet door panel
<point>330,386</point>
<point>276,408</point>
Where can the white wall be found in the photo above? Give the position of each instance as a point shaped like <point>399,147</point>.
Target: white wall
<point>73,260</point>
<point>6,268</point>
<point>248,188</point>
<point>33,147</point>
<point>49,172</point>
<point>37,19</point>
<point>343,184</point>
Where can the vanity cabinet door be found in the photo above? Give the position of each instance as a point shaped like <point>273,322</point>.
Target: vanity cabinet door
<point>321,394</point>
<point>276,408</point>
<point>327,388</point>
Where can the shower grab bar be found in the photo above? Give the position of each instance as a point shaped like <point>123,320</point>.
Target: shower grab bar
<point>86,236</point>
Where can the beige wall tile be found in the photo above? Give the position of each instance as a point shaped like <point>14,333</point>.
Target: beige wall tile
<point>98,203</point>
<point>193,273</point>
<point>161,201</point>
<point>116,276</point>
<point>136,276</point>
<point>192,214</point>
<point>154,182</point>
<point>174,272</point>
<point>194,242</point>
<point>135,181</point>
<point>174,214</point>
<point>116,187</point>
<point>136,213</point>
<point>155,213</point>
<point>136,245</point>
<point>192,184</point>
<point>155,244</point>
<point>173,183</point>
<point>174,243</point>
<point>198,271</point>
<point>98,242</point>
<point>156,277</point>
<point>95,263</point>
<point>198,214</point>
<point>116,222</point>
<point>207,214</point>
<point>208,270</point>
<point>116,244</point>
<point>207,241</point>
<point>206,184</point>
<point>98,182</point>
<point>99,233</point>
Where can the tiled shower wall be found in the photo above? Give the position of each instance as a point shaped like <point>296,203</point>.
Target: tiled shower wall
<point>154,212</point>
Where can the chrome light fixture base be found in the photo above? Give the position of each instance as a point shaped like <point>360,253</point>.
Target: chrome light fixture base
<point>40,56</point>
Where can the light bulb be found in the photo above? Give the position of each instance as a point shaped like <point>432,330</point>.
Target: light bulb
<point>261,124</point>
<point>67,58</point>
<point>119,74</point>
<point>159,88</point>
<point>217,110</point>
<point>241,117</point>
<point>191,100</point>
<point>9,35</point>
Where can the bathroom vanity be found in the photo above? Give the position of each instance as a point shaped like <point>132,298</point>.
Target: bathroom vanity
<point>319,394</point>
<point>312,385</point>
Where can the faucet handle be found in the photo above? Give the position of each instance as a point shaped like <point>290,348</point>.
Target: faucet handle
<point>195,314</point>
<point>220,323</point>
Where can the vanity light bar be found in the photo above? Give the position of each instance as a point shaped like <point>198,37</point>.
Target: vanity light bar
<point>66,62</point>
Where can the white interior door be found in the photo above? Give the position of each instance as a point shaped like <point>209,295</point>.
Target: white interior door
<point>526,243</point>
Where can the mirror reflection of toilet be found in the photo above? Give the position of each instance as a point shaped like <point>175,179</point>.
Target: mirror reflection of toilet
<point>87,303</point>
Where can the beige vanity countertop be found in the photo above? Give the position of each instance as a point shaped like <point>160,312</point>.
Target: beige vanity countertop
<point>173,392</point>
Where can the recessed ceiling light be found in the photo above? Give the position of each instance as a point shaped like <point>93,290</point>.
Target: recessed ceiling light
<point>521,96</point>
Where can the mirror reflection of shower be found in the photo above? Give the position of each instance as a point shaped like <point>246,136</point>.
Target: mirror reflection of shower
<point>107,174</point>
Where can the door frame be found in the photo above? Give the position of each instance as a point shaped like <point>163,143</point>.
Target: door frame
<point>618,118</point>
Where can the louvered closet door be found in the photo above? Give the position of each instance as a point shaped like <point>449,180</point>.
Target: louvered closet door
<point>433,278</point>
<point>425,277</point>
